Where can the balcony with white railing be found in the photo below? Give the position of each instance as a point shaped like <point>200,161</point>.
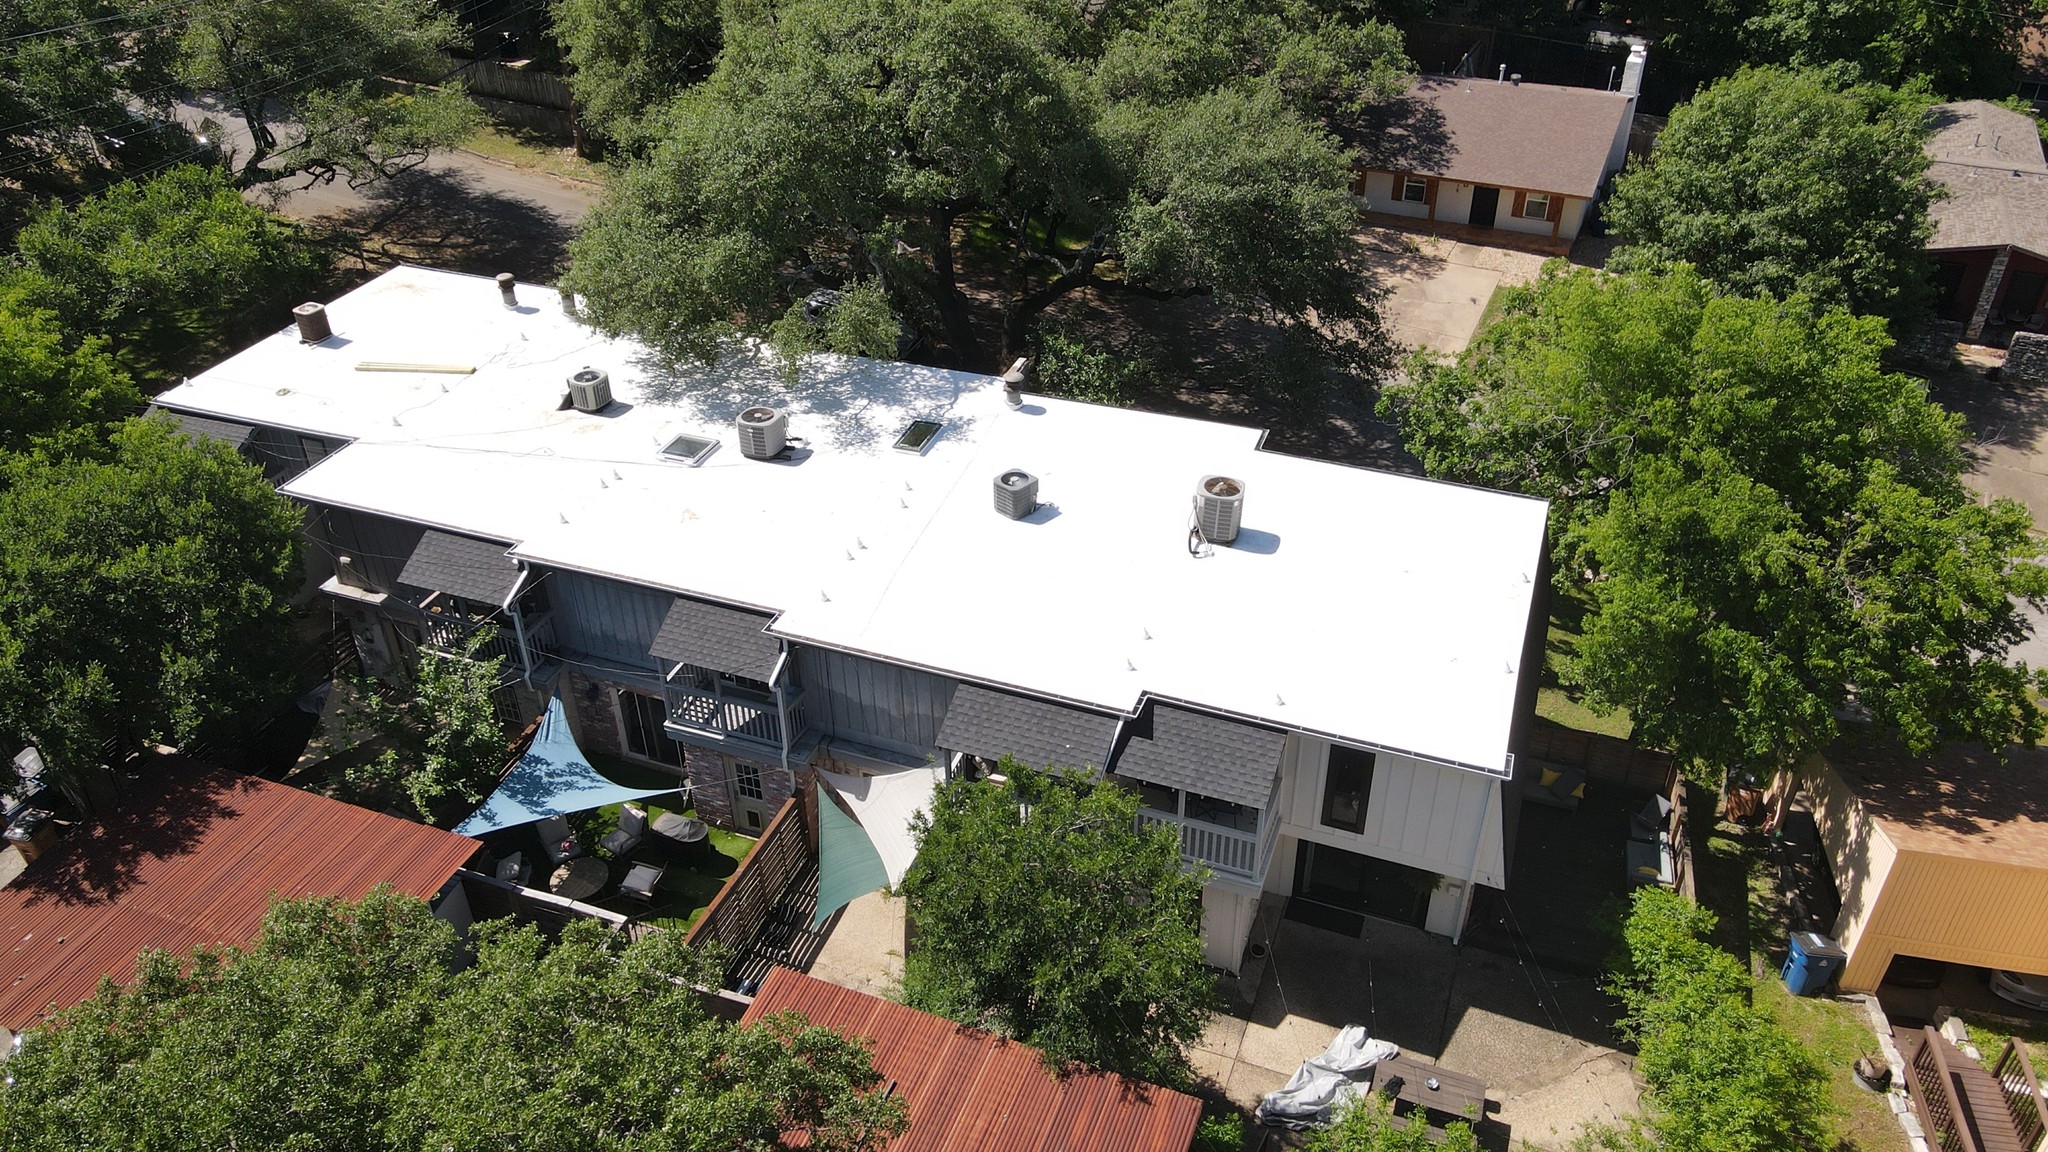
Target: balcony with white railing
<point>451,634</point>
<point>1234,840</point>
<point>725,715</point>
<point>1225,850</point>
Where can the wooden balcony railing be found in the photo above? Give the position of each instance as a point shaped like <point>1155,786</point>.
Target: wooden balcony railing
<point>2022,1089</point>
<point>1226,850</point>
<point>734,717</point>
<point>450,635</point>
<point>1933,1089</point>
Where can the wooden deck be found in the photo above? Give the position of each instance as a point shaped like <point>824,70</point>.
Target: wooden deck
<point>1963,1108</point>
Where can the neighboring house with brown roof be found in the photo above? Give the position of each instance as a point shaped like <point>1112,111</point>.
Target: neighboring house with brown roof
<point>1944,858</point>
<point>194,859</point>
<point>965,1088</point>
<point>1527,158</point>
<point>1990,243</point>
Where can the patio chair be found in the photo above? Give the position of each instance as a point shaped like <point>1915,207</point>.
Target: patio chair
<point>641,881</point>
<point>558,840</point>
<point>627,836</point>
<point>514,869</point>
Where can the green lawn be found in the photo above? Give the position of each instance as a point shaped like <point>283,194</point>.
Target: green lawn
<point>1835,1032</point>
<point>1990,1036</point>
<point>1560,703</point>
<point>522,148</point>
<point>686,887</point>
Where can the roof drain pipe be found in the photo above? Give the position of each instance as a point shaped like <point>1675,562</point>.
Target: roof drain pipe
<point>775,681</point>
<point>1478,846</point>
<point>511,608</point>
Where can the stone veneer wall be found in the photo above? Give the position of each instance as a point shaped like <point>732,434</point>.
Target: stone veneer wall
<point>710,791</point>
<point>593,715</point>
<point>2027,358</point>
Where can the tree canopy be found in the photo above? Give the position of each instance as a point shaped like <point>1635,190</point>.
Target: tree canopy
<point>1042,911</point>
<point>909,143</point>
<point>305,78</point>
<point>1766,525</point>
<point>1722,1075</point>
<point>628,57</point>
<point>344,1027</point>
<point>1782,182</point>
<point>1961,50</point>
<point>168,271</point>
<point>439,733</point>
<point>83,84</point>
<point>51,387</point>
<point>144,588</point>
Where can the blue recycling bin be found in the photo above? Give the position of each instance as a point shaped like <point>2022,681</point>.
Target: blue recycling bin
<point>1812,961</point>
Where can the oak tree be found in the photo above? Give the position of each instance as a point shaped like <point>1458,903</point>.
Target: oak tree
<point>1042,911</point>
<point>1768,526</point>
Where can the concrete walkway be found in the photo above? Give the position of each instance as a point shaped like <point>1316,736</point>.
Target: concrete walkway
<point>1438,287</point>
<point>1540,1041</point>
<point>865,950</point>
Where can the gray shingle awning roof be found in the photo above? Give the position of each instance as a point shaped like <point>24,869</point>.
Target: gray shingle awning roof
<point>718,638</point>
<point>228,432</point>
<point>1201,753</point>
<point>461,566</point>
<point>990,724</point>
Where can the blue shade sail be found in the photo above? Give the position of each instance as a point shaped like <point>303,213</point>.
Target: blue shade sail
<point>553,778</point>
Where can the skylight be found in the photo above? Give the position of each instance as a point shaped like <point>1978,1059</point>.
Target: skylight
<point>690,449</point>
<point>918,436</point>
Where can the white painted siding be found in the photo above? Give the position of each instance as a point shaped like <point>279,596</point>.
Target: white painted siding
<point>1423,815</point>
<point>1507,221</point>
<point>1453,202</point>
<point>1227,918</point>
<point>1382,194</point>
<point>892,708</point>
<point>1574,218</point>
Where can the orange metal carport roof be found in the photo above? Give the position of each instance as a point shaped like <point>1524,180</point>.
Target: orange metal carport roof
<point>968,1089</point>
<point>194,858</point>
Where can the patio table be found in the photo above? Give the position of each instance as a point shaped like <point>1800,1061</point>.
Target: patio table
<point>679,828</point>
<point>1455,1095</point>
<point>580,878</point>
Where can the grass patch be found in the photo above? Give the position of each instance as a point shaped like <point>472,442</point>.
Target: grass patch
<point>1990,1035</point>
<point>535,151</point>
<point>1835,1032</point>
<point>1556,701</point>
<point>1495,305</point>
<point>688,884</point>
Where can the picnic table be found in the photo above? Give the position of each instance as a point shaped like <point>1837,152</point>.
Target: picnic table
<point>1439,1091</point>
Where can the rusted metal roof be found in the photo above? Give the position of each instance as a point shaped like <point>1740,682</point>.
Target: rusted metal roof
<point>194,857</point>
<point>967,1089</point>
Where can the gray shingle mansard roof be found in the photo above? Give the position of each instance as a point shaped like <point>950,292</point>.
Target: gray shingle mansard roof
<point>718,638</point>
<point>991,724</point>
<point>1200,753</point>
<point>461,566</point>
<point>228,432</point>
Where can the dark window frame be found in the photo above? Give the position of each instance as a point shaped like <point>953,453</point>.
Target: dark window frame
<point>1347,788</point>
<point>646,738</point>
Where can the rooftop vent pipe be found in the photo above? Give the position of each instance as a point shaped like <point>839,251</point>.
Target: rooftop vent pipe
<point>1515,78</point>
<point>1219,508</point>
<point>312,320</point>
<point>508,289</point>
<point>590,389</point>
<point>1503,74</point>
<point>1014,380</point>
<point>763,432</point>
<point>1016,493</point>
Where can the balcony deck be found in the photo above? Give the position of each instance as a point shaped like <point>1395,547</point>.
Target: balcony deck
<point>1228,851</point>
<point>698,715</point>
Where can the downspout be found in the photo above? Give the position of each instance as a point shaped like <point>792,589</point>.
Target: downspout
<point>781,687</point>
<point>510,607</point>
<point>1472,872</point>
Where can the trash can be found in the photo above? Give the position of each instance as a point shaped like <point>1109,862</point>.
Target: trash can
<point>1812,961</point>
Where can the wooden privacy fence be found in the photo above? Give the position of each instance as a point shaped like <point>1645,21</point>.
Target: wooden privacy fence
<point>1603,757</point>
<point>492,79</point>
<point>777,860</point>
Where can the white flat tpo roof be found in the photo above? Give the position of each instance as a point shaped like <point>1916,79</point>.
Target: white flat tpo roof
<point>1364,605</point>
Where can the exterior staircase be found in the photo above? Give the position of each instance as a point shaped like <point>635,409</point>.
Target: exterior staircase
<point>1967,1109</point>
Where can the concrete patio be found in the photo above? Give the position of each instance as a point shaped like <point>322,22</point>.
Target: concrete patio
<point>1540,1040</point>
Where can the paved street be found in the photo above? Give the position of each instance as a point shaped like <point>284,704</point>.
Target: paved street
<point>457,210</point>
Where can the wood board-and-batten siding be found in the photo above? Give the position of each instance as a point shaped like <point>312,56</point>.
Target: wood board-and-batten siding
<point>1424,815</point>
<point>850,697</point>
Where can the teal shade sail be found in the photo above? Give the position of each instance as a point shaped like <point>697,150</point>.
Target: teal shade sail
<point>848,865</point>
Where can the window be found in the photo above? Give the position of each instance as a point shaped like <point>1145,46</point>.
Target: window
<point>1414,189</point>
<point>1347,787</point>
<point>313,448</point>
<point>753,820</point>
<point>1535,206</point>
<point>642,718</point>
<point>747,778</point>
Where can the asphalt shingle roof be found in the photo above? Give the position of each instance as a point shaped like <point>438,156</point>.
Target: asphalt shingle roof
<point>461,566</point>
<point>228,432</point>
<point>716,637</point>
<point>1201,753</point>
<point>984,722</point>
<point>1537,136</point>
<point>1990,160</point>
